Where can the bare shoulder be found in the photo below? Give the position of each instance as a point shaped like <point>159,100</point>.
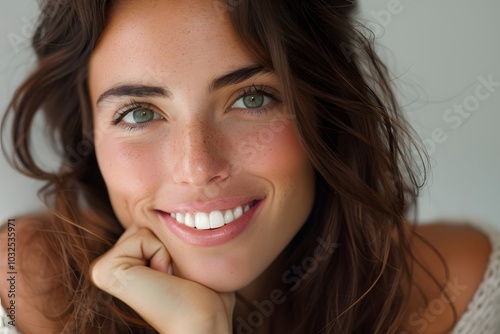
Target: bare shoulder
<point>27,268</point>
<point>457,257</point>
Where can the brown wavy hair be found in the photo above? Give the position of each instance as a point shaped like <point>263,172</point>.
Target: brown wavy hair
<point>362,151</point>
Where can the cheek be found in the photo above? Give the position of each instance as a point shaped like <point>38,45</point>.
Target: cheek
<point>130,173</point>
<point>285,165</point>
<point>276,154</point>
<point>282,163</point>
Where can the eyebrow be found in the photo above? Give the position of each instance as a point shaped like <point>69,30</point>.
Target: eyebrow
<point>237,76</point>
<point>135,90</point>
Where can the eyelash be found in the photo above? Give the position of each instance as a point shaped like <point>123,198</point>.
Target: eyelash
<point>251,90</point>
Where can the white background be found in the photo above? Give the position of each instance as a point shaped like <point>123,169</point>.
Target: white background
<point>437,51</point>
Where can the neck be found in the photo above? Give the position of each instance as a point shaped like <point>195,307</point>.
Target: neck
<point>260,303</point>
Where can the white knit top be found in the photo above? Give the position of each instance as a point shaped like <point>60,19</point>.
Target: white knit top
<point>483,312</point>
<point>5,328</point>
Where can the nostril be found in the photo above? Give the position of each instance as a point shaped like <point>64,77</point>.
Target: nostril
<point>218,178</point>
<point>201,174</point>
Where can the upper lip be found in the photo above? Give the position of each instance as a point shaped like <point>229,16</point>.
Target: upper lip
<point>218,204</point>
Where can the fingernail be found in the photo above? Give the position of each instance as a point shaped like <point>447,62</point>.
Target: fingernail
<point>170,270</point>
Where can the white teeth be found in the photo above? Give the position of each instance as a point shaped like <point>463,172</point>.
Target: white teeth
<point>228,216</point>
<point>202,221</point>
<point>214,219</point>
<point>238,212</point>
<point>189,220</point>
<point>179,217</point>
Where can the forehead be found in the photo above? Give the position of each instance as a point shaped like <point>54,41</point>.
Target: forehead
<point>165,39</point>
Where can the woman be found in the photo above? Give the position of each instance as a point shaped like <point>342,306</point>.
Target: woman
<point>233,166</point>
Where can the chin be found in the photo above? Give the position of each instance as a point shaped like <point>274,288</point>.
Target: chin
<point>216,278</point>
<point>220,283</point>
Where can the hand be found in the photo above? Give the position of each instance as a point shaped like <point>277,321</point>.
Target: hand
<point>136,270</point>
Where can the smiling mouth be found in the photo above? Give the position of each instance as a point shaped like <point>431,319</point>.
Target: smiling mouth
<point>213,219</point>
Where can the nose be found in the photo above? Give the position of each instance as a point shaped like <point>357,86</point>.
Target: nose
<point>200,156</point>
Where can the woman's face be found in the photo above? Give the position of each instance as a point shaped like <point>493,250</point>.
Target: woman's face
<point>193,141</point>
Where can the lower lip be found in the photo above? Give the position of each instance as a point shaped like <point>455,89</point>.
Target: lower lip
<point>214,237</point>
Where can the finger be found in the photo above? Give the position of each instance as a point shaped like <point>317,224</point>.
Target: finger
<point>158,261</point>
<point>145,246</point>
<point>137,247</point>
<point>169,303</point>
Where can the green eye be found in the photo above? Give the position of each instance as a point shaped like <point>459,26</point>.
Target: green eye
<point>252,101</point>
<point>139,116</point>
<point>142,116</point>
